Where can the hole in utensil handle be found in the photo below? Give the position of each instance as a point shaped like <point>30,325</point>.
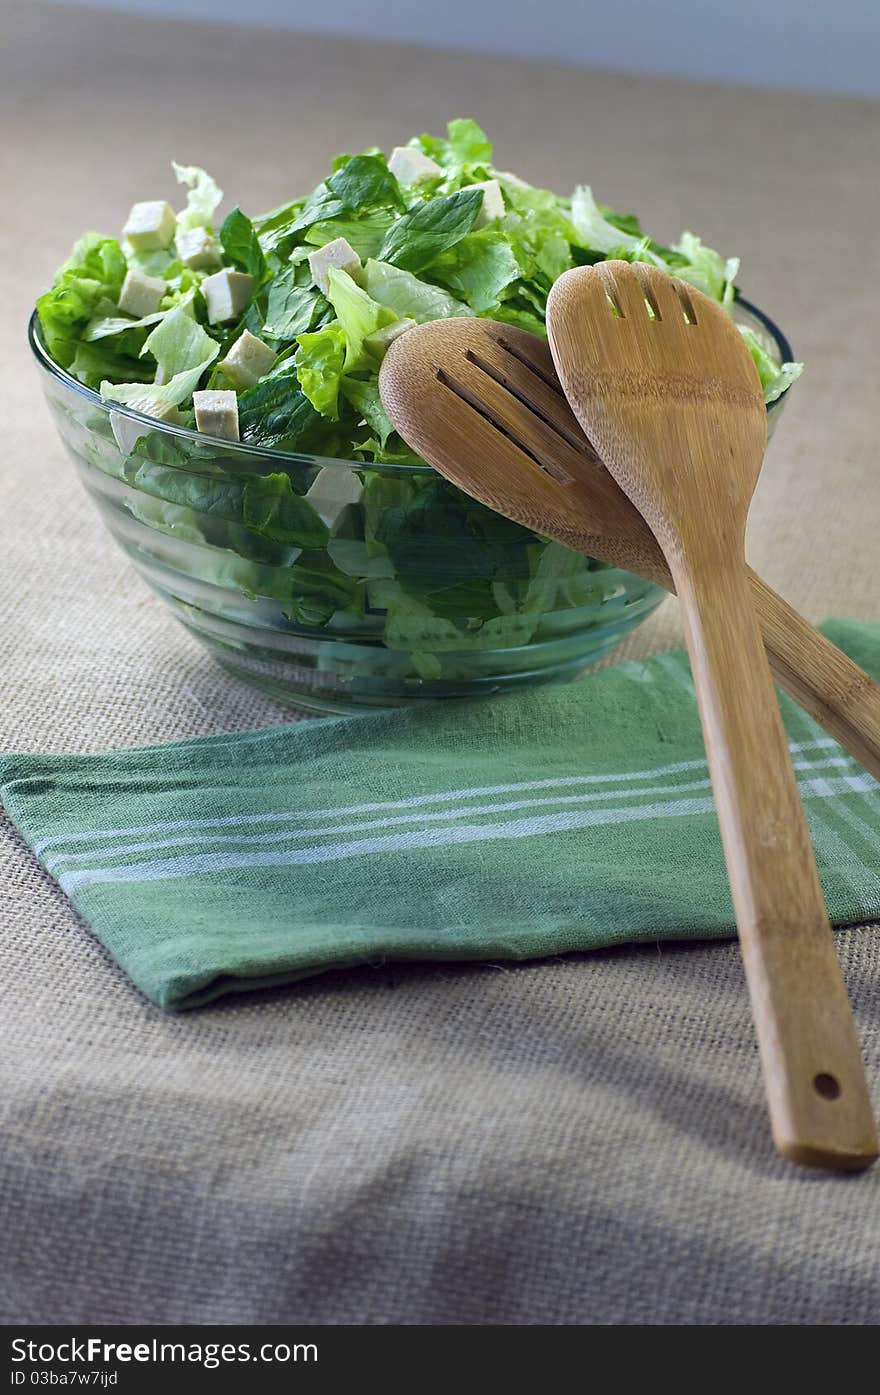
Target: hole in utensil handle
<point>828,1086</point>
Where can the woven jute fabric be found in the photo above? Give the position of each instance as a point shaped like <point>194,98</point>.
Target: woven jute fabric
<point>581,1140</point>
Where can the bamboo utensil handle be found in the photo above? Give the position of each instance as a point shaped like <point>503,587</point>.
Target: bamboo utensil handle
<point>820,677</point>
<point>667,393</point>
<point>820,1111</point>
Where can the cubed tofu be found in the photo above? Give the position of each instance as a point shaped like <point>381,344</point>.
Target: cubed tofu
<point>128,431</point>
<point>217,414</point>
<point>493,202</point>
<point>226,294</point>
<point>377,344</point>
<point>150,226</point>
<point>338,253</point>
<point>247,360</point>
<point>332,490</point>
<point>199,249</point>
<point>141,295</point>
<point>411,166</point>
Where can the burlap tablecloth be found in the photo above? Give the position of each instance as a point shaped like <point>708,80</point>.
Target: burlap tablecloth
<point>575,1141</point>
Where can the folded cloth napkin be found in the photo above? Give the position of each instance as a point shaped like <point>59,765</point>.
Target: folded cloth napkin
<point>553,820</point>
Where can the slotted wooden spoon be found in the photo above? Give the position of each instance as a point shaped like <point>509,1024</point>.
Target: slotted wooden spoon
<point>482,403</point>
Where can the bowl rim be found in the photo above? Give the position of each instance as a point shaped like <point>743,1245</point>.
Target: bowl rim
<point>245,448</point>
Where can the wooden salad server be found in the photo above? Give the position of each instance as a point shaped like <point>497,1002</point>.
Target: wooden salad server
<point>664,386</point>
<point>482,403</point>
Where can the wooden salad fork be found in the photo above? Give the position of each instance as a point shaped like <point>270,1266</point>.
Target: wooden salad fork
<point>482,403</point>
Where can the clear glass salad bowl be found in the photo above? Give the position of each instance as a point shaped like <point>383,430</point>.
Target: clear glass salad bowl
<point>414,591</point>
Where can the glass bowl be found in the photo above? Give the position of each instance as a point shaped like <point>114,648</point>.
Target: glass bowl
<point>413,592</point>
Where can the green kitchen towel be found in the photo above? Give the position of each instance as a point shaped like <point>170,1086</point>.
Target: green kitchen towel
<point>552,820</point>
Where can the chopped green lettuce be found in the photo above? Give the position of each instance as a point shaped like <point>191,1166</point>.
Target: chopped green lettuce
<point>94,272</point>
<point>775,377</point>
<point>412,562</point>
<point>358,315</point>
<point>182,350</point>
<point>406,294</point>
<point>202,200</point>
<point>320,361</point>
<point>180,344</point>
<point>710,273</point>
<point>597,233</point>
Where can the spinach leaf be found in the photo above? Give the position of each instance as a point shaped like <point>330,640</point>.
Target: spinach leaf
<point>270,507</point>
<point>420,236</point>
<point>320,205</point>
<point>291,309</point>
<point>241,245</point>
<point>277,412</point>
<point>365,232</point>
<point>365,181</point>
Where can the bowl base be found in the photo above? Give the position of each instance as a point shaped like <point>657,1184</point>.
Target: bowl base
<point>303,689</point>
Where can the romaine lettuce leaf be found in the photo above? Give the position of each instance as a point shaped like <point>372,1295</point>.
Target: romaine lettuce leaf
<point>465,144</point>
<point>183,352</point>
<point>358,315</point>
<point>480,267</point>
<point>595,231</point>
<point>320,360</point>
<point>179,344</point>
<point>406,294</point>
<point>106,326</point>
<point>775,377</point>
<point>92,363</point>
<point>203,197</point>
<point>468,142</point>
<point>94,272</point>
<point>705,269</point>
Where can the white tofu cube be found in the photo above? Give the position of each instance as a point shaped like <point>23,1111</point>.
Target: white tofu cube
<point>128,431</point>
<point>226,294</point>
<point>411,166</point>
<point>493,202</point>
<point>198,249</point>
<point>338,253</point>
<point>332,490</point>
<point>247,360</point>
<point>378,344</point>
<point>150,226</point>
<point>140,295</point>
<point>217,414</point>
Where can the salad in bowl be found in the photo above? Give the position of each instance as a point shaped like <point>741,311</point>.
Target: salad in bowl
<point>216,383</point>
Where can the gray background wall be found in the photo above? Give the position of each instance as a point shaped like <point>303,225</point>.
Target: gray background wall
<point>827,45</point>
